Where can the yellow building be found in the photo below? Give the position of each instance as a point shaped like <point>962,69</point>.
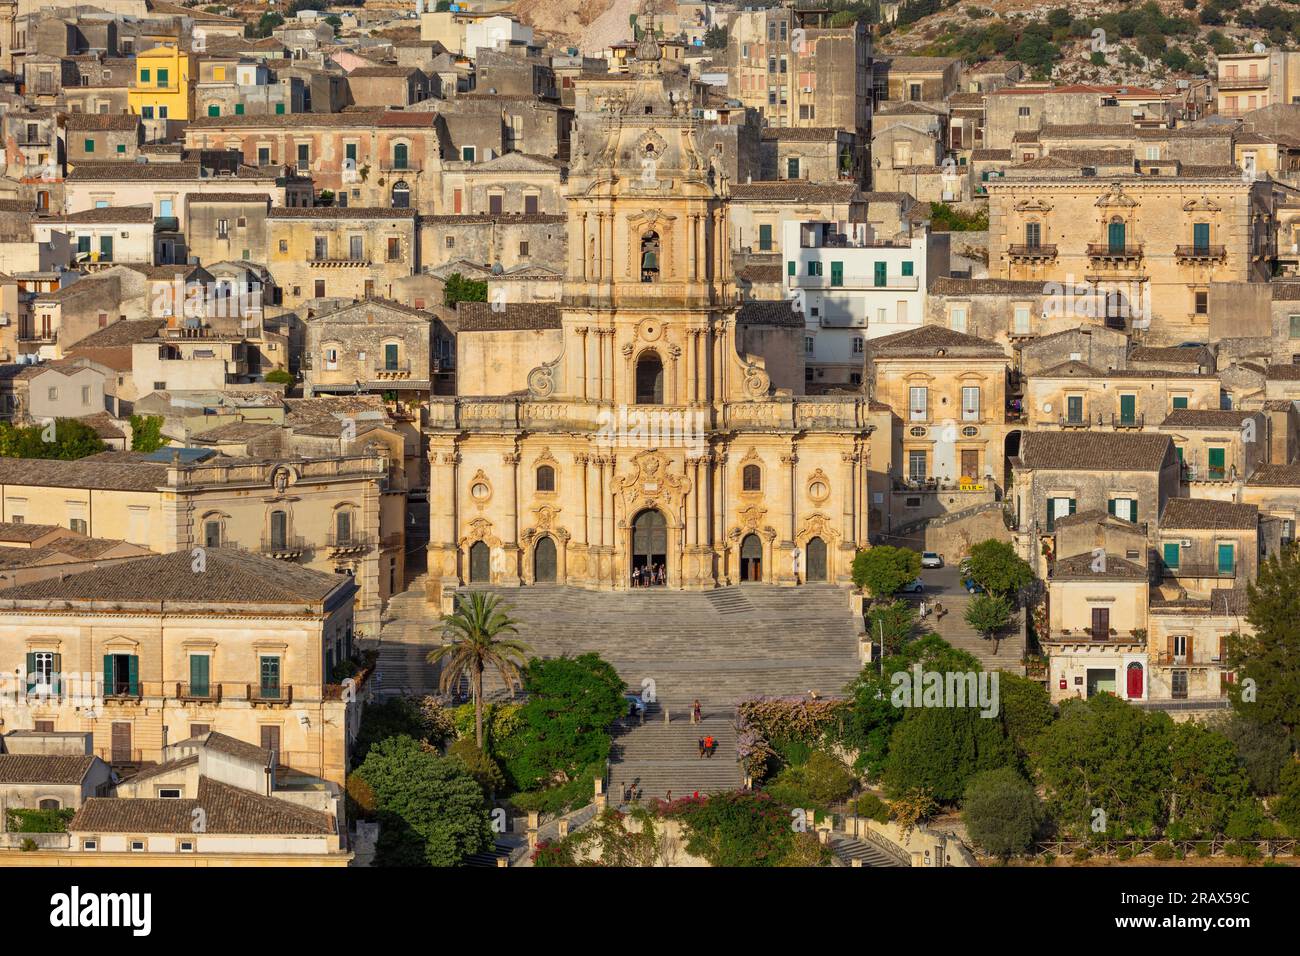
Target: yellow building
<point>639,425</point>
<point>168,648</point>
<point>162,84</point>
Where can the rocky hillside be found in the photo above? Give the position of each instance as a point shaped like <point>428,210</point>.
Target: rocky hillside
<point>1092,41</point>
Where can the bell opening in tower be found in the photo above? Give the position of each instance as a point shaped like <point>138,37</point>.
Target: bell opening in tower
<point>650,257</point>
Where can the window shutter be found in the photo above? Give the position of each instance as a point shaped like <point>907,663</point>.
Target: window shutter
<point>56,670</point>
<point>1133,510</point>
<point>108,674</point>
<point>133,675</point>
<point>1110,506</point>
<point>31,672</point>
<point>1171,647</point>
<point>1189,649</point>
<point>1072,504</point>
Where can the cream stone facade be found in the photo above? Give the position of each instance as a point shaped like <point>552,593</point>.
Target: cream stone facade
<point>647,436</point>
<point>162,649</point>
<point>342,514</point>
<point>1152,245</point>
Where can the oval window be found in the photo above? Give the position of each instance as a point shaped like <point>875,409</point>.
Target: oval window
<point>818,489</point>
<point>917,432</point>
<point>480,491</point>
<point>970,431</point>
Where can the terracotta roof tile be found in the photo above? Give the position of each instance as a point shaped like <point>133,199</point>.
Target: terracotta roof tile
<point>1206,514</point>
<point>227,809</point>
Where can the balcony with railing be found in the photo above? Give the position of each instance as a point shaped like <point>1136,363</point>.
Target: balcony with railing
<point>199,693</point>
<point>39,336</point>
<point>385,370</point>
<point>269,694</point>
<point>351,541</point>
<point>1244,82</point>
<point>1198,569</point>
<point>1195,253</point>
<point>1032,253</point>
<point>1128,421</point>
<point>1168,659</point>
<point>1108,253</point>
<point>287,547</point>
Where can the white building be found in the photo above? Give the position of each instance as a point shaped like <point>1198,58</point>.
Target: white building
<point>852,287</point>
<point>490,31</point>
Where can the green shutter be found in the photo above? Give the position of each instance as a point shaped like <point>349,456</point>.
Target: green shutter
<point>791,268</point>
<point>1201,235</point>
<point>133,676</point>
<point>31,672</point>
<point>1128,408</point>
<point>199,675</point>
<point>214,110</point>
<point>1072,504</point>
<point>907,267</point>
<point>1115,237</point>
<point>108,674</point>
<point>1216,457</point>
<point>239,109</point>
<point>279,109</point>
<point>1133,510</point>
<point>106,247</point>
<point>880,273</point>
<point>1180,401</point>
<point>837,273</point>
<point>1172,554</point>
<point>1110,506</point>
<point>89,145</point>
<point>1227,562</point>
<point>765,237</point>
<point>56,671</point>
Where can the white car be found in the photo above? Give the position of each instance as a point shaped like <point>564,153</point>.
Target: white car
<point>931,559</point>
<point>916,587</point>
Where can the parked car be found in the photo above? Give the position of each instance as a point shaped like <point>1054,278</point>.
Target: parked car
<point>931,559</point>
<point>973,587</point>
<point>915,587</point>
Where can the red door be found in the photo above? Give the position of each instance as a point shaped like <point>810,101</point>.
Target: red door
<point>1135,681</point>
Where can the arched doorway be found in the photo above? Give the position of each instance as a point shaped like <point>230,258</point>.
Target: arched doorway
<point>649,379</point>
<point>544,562</point>
<point>480,563</point>
<point>815,560</point>
<point>751,558</point>
<point>649,546</point>
<point>1134,681</point>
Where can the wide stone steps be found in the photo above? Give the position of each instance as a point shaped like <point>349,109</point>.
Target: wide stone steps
<point>847,849</point>
<point>659,759</point>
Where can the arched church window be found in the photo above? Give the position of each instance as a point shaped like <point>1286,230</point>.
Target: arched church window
<point>545,478</point>
<point>751,478</point>
<point>650,257</point>
<point>649,379</point>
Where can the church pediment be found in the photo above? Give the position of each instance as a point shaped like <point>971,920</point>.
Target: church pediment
<point>1115,197</point>
<point>1203,204</point>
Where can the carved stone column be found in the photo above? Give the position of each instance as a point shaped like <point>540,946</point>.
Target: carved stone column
<point>582,461</point>
<point>849,494</point>
<point>582,331</point>
<point>510,539</point>
<point>674,354</point>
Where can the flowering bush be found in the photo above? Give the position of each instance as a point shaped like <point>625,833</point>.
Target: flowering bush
<point>762,720</point>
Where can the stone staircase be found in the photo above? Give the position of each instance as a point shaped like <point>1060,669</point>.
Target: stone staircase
<point>847,849</point>
<point>954,629</point>
<point>717,646</point>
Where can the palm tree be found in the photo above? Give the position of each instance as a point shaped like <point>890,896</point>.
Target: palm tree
<point>473,645</point>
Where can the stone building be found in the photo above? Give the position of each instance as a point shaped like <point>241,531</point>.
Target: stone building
<point>353,252</point>
<point>164,648</point>
<point>99,136</point>
<point>371,346</point>
<point>638,434</point>
<point>1152,246</point>
<point>798,70</point>
<point>1056,474</point>
<point>341,514</point>
<point>376,158</point>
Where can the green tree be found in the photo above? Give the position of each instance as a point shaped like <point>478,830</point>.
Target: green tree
<point>473,631</point>
<point>884,569</point>
<point>279,376</point>
<point>938,749</point>
<point>1266,658</point>
<point>1287,806</point>
<point>265,24</point>
<point>1263,749</point>
<point>460,289</point>
<point>1026,711</point>
<point>997,567</point>
<point>892,622</point>
<point>397,717</point>
<point>68,440</point>
<point>1001,811</point>
<point>146,433</point>
<point>990,614</point>
<point>1206,780</point>
<point>479,764</point>
<point>564,724</point>
<point>871,717</point>
<point>430,809</point>
<point>715,38</point>
<point>1105,755</point>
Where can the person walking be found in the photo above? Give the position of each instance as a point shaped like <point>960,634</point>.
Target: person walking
<point>697,713</point>
<point>709,744</point>
<point>701,743</point>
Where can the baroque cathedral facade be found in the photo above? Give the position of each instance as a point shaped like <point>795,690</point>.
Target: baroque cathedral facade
<point>647,422</point>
